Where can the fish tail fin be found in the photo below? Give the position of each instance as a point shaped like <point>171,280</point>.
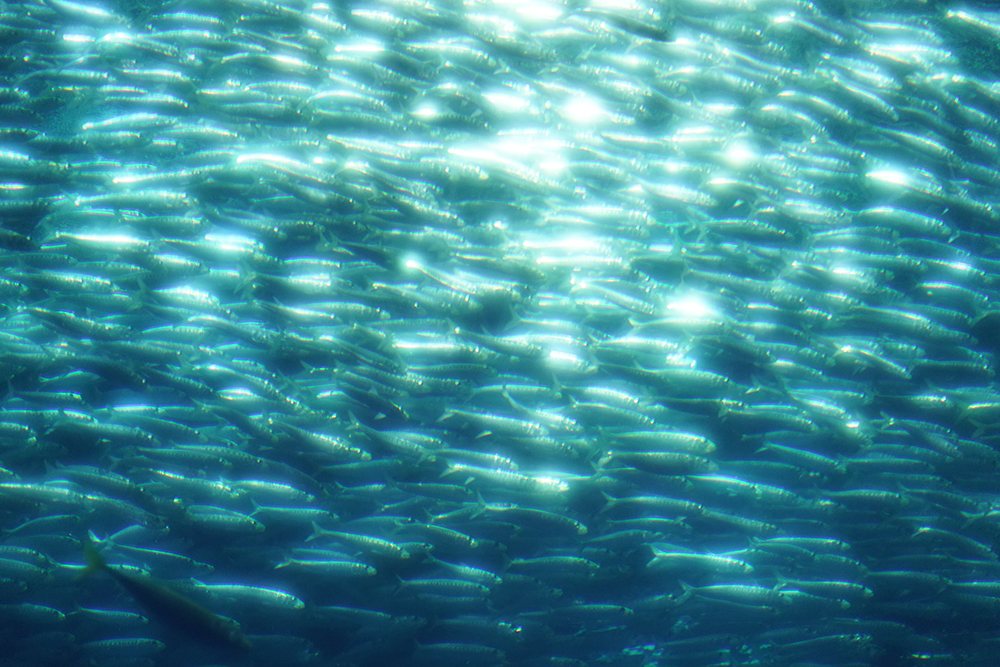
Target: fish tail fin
<point>94,560</point>
<point>319,531</point>
<point>609,504</point>
<point>245,287</point>
<point>688,592</point>
<point>660,549</point>
<point>481,505</point>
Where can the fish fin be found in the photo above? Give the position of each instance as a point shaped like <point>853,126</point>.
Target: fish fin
<point>94,560</point>
<point>398,585</point>
<point>688,591</point>
<point>512,323</point>
<point>480,505</point>
<point>608,505</point>
<point>510,399</point>
<point>603,446</point>
<point>973,518</point>
<point>505,562</point>
<point>144,292</point>
<point>659,549</point>
<point>355,425</point>
<point>980,428</point>
<point>245,286</point>
<point>318,531</point>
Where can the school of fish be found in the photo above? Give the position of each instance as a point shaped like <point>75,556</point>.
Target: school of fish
<point>562,333</point>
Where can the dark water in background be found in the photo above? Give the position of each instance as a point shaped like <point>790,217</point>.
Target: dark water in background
<point>546,333</point>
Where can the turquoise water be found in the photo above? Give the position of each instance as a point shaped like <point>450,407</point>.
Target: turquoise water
<point>498,333</point>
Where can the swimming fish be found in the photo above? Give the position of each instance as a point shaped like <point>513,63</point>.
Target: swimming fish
<point>170,607</point>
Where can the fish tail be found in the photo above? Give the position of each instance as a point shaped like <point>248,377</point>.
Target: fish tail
<point>687,594</point>
<point>94,560</point>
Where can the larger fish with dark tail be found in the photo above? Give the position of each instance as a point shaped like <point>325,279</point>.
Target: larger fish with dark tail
<point>174,610</point>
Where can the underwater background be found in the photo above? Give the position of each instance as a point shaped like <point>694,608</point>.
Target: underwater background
<point>499,333</point>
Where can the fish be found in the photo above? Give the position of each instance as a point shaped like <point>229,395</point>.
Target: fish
<point>414,333</point>
<point>173,610</point>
